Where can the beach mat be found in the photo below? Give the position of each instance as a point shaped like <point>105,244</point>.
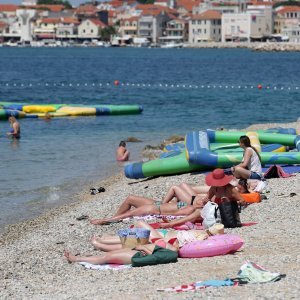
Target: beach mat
<point>197,226</point>
<point>150,218</point>
<point>114,267</point>
<point>286,168</point>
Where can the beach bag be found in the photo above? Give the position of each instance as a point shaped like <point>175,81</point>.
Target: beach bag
<point>276,172</point>
<point>210,214</point>
<point>131,237</point>
<point>159,256</point>
<point>251,272</point>
<point>230,214</point>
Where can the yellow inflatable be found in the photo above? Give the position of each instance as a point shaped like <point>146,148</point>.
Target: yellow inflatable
<point>30,109</point>
<point>77,111</point>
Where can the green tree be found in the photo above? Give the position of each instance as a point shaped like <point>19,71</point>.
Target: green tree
<point>146,1</point>
<point>107,32</point>
<point>65,3</point>
<point>287,3</point>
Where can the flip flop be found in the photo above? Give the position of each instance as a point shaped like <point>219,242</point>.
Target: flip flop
<point>83,217</point>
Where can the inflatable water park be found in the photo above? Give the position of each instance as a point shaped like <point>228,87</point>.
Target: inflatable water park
<point>27,110</point>
<point>210,149</point>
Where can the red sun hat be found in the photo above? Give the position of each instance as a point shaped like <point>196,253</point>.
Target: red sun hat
<point>218,178</point>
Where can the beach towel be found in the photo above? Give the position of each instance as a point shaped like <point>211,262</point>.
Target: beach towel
<point>249,273</point>
<point>105,267</point>
<point>150,218</point>
<point>189,225</point>
<point>198,285</point>
<point>276,171</point>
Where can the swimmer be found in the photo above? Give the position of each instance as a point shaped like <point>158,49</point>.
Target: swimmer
<point>15,131</point>
<point>122,153</point>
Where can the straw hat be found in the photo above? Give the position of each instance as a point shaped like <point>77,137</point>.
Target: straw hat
<point>218,178</point>
<point>216,229</point>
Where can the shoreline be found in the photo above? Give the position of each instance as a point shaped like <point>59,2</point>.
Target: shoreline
<point>33,266</point>
<point>254,46</point>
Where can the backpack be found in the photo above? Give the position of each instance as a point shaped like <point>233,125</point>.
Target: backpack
<point>276,171</point>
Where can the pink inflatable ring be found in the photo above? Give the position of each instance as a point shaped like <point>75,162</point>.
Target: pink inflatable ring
<point>213,246</point>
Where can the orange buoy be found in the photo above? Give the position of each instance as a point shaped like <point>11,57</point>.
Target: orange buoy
<point>259,86</point>
<point>116,82</point>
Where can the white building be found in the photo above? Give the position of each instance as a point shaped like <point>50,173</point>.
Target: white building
<point>255,24</point>
<point>151,26</point>
<point>287,22</point>
<point>90,28</point>
<point>205,27</point>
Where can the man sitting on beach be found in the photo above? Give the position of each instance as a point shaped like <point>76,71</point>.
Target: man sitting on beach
<point>15,131</point>
<point>122,152</point>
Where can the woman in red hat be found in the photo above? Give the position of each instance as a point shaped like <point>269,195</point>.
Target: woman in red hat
<point>221,188</point>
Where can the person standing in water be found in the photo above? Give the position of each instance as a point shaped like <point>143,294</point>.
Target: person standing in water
<point>122,153</point>
<point>15,131</point>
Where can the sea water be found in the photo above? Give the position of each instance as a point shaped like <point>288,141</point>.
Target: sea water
<point>179,89</point>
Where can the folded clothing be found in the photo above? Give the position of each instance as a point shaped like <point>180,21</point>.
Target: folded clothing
<point>159,256</point>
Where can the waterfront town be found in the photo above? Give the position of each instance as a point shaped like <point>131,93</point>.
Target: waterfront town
<point>163,23</point>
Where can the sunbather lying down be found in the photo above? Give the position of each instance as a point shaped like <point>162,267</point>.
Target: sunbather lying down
<point>141,255</point>
<point>172,240</point>
<point>145,206</point>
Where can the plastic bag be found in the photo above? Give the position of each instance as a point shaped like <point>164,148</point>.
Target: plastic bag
<point>210,214</point>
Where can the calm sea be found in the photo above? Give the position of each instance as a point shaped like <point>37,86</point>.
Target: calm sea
<point>180,90</point>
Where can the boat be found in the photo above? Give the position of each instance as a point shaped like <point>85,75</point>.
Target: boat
<point>171,45</point>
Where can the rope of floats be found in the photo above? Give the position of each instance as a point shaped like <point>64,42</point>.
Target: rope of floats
<point>117,83</point>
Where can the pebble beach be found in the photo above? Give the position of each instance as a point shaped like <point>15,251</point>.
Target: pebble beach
<point>32,265</point>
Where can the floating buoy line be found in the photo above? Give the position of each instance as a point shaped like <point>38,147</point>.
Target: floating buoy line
<point>118,84</point>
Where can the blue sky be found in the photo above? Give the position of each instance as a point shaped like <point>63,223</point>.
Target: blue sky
<point>73,2</point>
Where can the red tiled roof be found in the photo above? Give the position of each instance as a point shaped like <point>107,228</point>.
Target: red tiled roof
<point>116,3</point>
<point>98,23</point>
<point>3,25</point>
<point>188,4</point>
<point>208,15</point>
<point>8,7</point>
<point>111,13</point>
<point>69,20</point>
<point>266,3</point>
<point>50,20</point>
<point>51,7</point>
<point>286,9</point>
<point>63,20</point>
<point>131,19</point>
<point>86,9</point>
<point>154,10</point>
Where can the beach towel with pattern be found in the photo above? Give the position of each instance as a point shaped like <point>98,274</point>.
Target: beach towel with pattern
<point>115,267</point>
